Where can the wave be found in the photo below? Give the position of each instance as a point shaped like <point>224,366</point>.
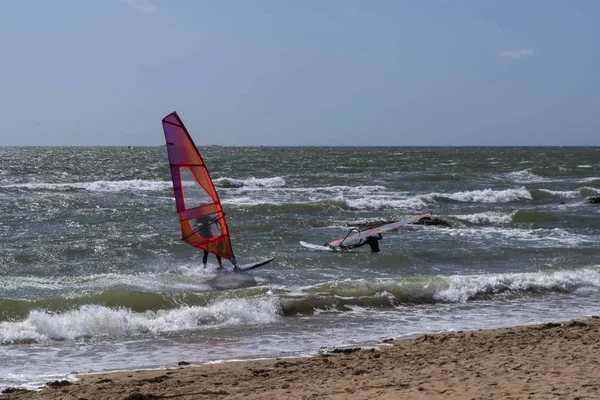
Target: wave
<point>484,196</point>
<point>94,321</point>
<point>250,182</point>
<point>534,216</point>
<point>345,296</point>
<point>369,197</point>
<point>345,197</point>
<point>587,191</point>
<point>594,182</point>
<point>553,238</point>
<point>524,176</point>
<point>140,292</point>
<point>497,217</point>
<point>265,204</point>
<point>467,288</point>
<point>269,305</point>
<point>541,194</point>
<point>316,190</point>
<point>378,204</point>
<point>278,207</point>
<point>134,300</point>
<point>376,198</point>
<point>489,217</point>
<point>96,186</point>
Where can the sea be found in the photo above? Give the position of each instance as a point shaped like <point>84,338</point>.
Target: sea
<point>94,275</point>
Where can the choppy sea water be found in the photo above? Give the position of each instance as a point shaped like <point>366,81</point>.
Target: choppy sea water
<point>94,276</point>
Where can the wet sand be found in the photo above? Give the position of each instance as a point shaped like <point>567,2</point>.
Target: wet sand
<point>549,361</point>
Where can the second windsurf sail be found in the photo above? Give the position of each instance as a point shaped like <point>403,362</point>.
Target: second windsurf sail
<point>360,236</point>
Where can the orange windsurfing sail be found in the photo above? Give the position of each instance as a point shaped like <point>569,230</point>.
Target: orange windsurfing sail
<point>201,216</point>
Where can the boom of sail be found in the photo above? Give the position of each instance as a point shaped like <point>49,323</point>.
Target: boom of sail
<point>201,216</point>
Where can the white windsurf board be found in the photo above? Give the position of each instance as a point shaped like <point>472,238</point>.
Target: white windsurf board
<point>319,247</point>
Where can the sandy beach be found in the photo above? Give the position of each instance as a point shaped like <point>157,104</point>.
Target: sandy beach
<point>549,361</point>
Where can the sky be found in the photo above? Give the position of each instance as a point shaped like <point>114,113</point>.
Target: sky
<point>310,72</point>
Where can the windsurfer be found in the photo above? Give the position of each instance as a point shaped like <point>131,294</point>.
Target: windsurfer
<point>204,229</point>
<point>372,241</point>
<point>209,231</point>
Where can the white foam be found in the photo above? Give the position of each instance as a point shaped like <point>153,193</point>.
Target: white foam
<point>276,181</point>
<point>33,382</point>
<point>325,190</point>
<point>98,321</point>
<point>590,179</point>
<point>562,193</point>
<point>485,195</point>
<point>374,203</point>
<point>99,186</point>
<point>493,217</point>
<point>534,238</point>
<point>464,288</point>
<point>250,196</point>
<point>128,185</point>
<point>525,176</point>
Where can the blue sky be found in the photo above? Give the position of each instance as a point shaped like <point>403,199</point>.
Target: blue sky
<point>314,72</point>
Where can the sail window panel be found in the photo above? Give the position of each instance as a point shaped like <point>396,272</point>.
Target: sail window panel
<point>193,194</point>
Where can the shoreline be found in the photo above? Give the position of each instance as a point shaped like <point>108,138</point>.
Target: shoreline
<point>551,360</point>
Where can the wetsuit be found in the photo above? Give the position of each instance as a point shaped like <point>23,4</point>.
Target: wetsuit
<point>372,241</point>
<point>204,229</point>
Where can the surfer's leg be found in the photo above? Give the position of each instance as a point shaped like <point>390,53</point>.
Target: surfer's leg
<point>374,246</point>
<point>219,262</point>
<point>204,258</point>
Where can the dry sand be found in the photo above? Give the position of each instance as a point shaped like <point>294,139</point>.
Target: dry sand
<point>549,361</point>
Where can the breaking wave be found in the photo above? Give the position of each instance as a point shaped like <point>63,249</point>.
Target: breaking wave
<point>250,182</point>
<point>89,321</point>
<point>525,176</point>
<point>484,196</point>
<point>486,218</point>
<point>392,293</point>
<point>93,321</point>
<point>97,186</point>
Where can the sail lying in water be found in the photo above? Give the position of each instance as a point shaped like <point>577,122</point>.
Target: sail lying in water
<point>359,236</point>
<point>201,216</point>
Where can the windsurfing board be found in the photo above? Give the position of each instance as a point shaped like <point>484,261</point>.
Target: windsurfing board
<point>313,246</point>
<point>248,267</point>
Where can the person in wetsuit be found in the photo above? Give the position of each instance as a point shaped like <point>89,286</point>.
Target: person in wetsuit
<point>372,241</point>
<point>204,229</point>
